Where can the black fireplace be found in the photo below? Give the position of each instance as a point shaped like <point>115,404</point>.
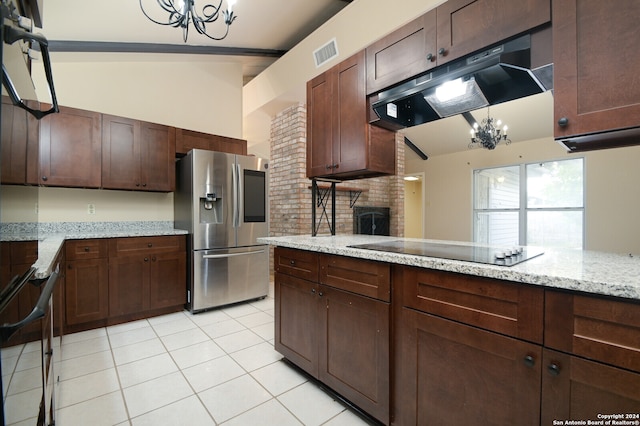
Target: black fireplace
<point>371,220</point>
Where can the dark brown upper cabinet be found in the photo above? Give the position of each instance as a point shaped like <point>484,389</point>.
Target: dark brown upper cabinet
<point>406,52</point>
<point>450,31</point>
<point>465,26</point>
<point>19,144</point>
<point>340,142</point>
<point>70,149</point>
<point>596,67</point>
<point>137,155</point>
<point>186,140</point>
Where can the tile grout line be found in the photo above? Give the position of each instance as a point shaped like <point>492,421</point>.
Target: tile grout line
<point>121,388</point>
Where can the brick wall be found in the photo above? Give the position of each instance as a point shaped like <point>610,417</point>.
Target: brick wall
<point>289,188</point>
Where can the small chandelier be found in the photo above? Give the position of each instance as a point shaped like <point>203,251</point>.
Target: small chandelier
<point>183,12</point>
<point>489,133</point>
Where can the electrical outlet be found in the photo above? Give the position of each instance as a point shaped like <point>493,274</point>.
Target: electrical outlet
<point>91,208</point>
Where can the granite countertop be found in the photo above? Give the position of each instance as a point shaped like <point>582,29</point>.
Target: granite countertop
<point>594,272</point>
<point>51,236</point>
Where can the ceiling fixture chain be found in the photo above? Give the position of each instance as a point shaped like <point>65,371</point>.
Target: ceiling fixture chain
<point>183,12</point>
<point>488,134</point>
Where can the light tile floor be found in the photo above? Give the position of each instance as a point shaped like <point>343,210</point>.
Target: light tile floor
<point>212,368</point>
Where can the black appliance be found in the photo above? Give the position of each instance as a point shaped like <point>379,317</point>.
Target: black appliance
<point>18,44</point>
<point>38,403</point>
<point>25,302</point>
<point>465,252</point>
<point>498,74</point>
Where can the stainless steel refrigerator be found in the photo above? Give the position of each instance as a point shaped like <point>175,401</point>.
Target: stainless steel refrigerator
<point>222,200</point>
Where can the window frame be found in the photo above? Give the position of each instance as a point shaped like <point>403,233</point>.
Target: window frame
<point>522,210</point>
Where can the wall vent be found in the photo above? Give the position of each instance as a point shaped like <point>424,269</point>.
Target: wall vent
<point>325,53</point>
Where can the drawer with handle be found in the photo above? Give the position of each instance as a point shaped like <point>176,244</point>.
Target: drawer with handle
<point>297,263</point>
<point>86,249</point>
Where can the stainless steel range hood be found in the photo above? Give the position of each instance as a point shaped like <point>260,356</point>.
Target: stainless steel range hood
<point>499,74</point>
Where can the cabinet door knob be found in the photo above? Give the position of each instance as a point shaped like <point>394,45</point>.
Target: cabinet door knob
<point>430,57</point>
<point>563,122</point>
<point>313,290</point>
<point>153,259</point>
<point>320,294</point>
<point>137,184</point>
<point>529,361</point>
<point>328,166</point>
<point>146,259</point>
<point>144,185</point>
<point>44,178</point>
<point>442,51</point>
<point>292,262</point>
<point>335,166</point>
<point>150,245</point>
<point>87,249</point>
<point>554,369</point>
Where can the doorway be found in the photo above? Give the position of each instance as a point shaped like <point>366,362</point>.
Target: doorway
<point>414,205</point>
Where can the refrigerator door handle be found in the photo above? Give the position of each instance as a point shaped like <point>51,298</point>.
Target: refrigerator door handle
<point>221,256</point>
<point>235,177</point>
<point>240,199</point>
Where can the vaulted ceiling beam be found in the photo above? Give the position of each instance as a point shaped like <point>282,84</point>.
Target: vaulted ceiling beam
<point>113,47</point>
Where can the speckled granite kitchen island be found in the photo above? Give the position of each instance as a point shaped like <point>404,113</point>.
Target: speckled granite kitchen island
<point>585,271</point>
<point>411,339</point>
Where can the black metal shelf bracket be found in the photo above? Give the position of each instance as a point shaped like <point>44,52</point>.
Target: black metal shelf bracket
<point>353,197</point>
<point>320,199</point>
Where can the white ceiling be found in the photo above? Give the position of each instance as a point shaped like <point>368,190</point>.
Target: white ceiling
<point>527,118</point>
<point>260,24</point>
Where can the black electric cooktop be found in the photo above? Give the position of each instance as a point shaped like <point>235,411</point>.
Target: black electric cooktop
<point>468,253</point>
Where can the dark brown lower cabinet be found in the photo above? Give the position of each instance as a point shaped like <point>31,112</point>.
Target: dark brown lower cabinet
<point>168,279</point>
<point>462,348</point>
<point>595,365</point>
<point>579,389</point>
<point>296,333</point>
<point>86,291</point>
<point>128,285</point>
<point>354,349</point>
<point>449,373</point>
<point>86,285</point>
<point>109,281</point>
<point>147,274</point>
<point>339,337</point>
<point>23,255</point>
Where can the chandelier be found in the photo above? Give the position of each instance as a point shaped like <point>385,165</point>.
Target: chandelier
<point>183,12</point>
<point>488,134</point>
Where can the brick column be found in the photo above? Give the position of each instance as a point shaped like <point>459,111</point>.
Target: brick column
<point>289,188</point>
<point>289,198</point>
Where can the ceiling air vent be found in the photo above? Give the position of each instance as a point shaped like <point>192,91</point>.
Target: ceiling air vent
<point>325,53</point>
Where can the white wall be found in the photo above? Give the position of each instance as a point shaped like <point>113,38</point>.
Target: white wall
<point>193,92</point>
<point>413,206</point>
<point>70,205</point>
<point>612,195</point>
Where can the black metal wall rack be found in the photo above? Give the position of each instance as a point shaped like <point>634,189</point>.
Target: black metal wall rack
<point>320,196</point>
